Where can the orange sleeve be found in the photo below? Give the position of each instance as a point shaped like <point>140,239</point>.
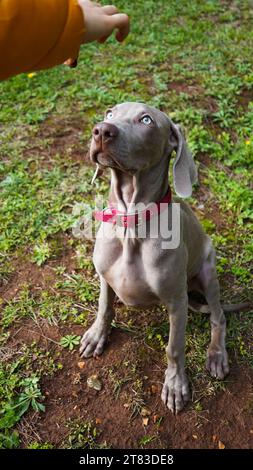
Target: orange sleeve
<point>38,34</point>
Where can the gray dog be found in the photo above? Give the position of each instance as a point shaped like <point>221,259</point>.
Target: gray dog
<point>136,141</point>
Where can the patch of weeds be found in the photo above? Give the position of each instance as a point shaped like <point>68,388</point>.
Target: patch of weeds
<point>6,269</point>
<point>240,337</point>
<point>85,290</point>
<point>9,439</point>
<point>117,381</point>
<point>40,445</point>
<point>208,225</point>
<point>39,361</point>
<point>127,326</point>
<point>136,402</point>
<point>37,205</point>
<point>21,307</point>
<point>4,336</point>
<point>83,436</point>
<point>20,373</point>
<point>146,440</point>
<point>55,307</point>
<point>234,195</point>
<point>84,259</point>
<point>199,140</point>
<point>197,339</point>
<point>70,341</point>
<point>14,405</point>
<point>157,335</point>
<point>41,253</point>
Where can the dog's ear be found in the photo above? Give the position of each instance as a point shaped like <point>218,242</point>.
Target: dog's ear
<point>184,169</point>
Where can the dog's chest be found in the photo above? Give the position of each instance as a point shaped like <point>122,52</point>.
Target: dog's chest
<point>124,268</point>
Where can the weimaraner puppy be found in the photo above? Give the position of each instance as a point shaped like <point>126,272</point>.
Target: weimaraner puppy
<point>136,141</point>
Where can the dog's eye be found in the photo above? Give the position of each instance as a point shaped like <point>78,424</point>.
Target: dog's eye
<point>109,115</point>
<point>146,120</point>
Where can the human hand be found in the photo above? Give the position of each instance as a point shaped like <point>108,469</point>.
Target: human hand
<point>101,21</point>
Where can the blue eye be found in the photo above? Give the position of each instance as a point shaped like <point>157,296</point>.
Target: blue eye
<point>109,115</point>
<point>146,120</point>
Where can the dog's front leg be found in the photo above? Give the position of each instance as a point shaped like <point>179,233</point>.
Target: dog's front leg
<point>175,392</point>
<point>93,341</point>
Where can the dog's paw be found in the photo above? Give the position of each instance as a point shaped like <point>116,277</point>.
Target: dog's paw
<point>94,340</point>
<point>175,392</point>
<point>217,363</point>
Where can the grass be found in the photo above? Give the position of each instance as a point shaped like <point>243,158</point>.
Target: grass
<point>83,436</point>
<point>193,61</point>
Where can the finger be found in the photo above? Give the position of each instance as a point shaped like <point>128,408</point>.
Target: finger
<point>71,63</point>
<point>103,39</point>
<point>110,9</point>
<point>121,22</point>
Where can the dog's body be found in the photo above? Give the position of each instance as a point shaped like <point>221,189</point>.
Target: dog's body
<point>141,272</point>
<point>136,141</point>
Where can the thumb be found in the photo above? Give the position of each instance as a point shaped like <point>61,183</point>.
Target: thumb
<point>121,22</point>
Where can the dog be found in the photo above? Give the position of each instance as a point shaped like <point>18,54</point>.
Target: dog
<point>136,142</point>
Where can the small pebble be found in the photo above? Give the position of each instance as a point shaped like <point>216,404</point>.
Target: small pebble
<point>94,382</point>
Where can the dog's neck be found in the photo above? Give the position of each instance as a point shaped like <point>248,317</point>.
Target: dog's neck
<point>145,186</point>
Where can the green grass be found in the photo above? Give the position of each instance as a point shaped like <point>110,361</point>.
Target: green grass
<point>194,61</point>
<point>20,373</point>
<point>83,436</point>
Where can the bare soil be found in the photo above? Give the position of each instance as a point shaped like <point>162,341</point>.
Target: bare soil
<point>226,419</point>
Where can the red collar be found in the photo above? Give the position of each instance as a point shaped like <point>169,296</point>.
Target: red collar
<point>124,219</point>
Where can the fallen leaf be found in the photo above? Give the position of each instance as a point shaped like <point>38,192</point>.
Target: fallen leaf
<point>251,431</point>
<point>81,364</point>
<point>221,445</point>
<point>145,421</point>
<point>98,421</point>
<point>145,412</point>
<point>94,382</point>
<point>215,438</point>
<point>153,389</point>
<point>195,436</point>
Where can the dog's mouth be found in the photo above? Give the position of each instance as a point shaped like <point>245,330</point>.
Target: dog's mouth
<point>106,160</point>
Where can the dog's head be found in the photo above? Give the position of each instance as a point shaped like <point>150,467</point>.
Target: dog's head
<point>134,137</point>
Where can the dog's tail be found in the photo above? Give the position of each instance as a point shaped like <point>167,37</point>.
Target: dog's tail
<point>197,306</point>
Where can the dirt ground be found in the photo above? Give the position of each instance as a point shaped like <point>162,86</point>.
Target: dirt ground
<point>226,419</point>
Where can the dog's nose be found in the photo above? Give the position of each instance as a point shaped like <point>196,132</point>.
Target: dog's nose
<point>105,132</point>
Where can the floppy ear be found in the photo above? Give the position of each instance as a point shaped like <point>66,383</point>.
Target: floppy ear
<point>184,169</point>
